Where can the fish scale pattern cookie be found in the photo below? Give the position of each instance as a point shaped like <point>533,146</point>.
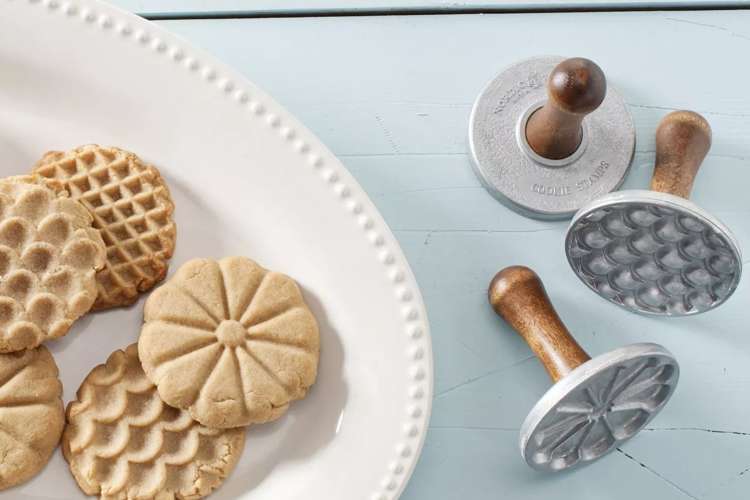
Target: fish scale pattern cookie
<point>31,413</point>
<point>122,442</point>
<point>651,258</point>
<point>230,341</point>
<point>49,254</point>
<point>131,207</point>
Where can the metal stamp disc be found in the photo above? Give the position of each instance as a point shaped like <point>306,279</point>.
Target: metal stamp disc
<point>526,182</point>
<point>654,253</point>
<point>597,406</point>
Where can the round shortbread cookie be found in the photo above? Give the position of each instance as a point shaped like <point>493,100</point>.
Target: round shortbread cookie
<point>122,442</point>
<point>31,413</point>
<point>49,255</point>
<point>131,207</point>
<point>230,342</point>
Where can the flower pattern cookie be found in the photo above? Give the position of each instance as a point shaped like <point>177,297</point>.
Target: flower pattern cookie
<point>230,342</point>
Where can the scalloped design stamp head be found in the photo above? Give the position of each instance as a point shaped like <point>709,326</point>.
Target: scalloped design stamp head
<point>653,259</point>
<point>49,254</point>
<point>123,442</point>
<point>31,413</point>
<point>131,207</point>
<point>229,341</point>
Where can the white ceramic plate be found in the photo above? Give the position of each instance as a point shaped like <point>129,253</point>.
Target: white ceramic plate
<point>247,179</point>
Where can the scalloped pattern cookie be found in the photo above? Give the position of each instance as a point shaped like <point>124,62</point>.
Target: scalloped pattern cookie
<point>31,414</point>
<point>229,341</point>
<point>122,442</point>
<point>49,255</point>
<point>131,206</point>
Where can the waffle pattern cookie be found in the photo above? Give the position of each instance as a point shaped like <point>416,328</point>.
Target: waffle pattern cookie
<point>49,254</point>
<point>31,413</point>
<point>230,342</point>
<point>122,442</point>
<point>131,207</point>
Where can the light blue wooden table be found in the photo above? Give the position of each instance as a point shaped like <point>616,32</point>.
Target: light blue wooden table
<point>391,96</point>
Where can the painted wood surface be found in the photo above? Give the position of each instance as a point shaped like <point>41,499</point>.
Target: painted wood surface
<point>391,96</point>
<point>197,8</point>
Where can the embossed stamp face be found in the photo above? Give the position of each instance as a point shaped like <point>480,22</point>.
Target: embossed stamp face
<point>600,404</point>
<point>654,253</point>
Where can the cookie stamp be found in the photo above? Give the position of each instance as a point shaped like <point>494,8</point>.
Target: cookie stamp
<point>655,252</point>
<point>547,135</point>
<point>596,403</point>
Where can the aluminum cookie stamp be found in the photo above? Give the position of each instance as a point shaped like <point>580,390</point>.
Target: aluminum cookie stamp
<point>547,136</point>
<point>595,403</point>
<point>655,252</point>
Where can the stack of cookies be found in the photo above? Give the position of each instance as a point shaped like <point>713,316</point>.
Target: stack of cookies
<point>224,344</point>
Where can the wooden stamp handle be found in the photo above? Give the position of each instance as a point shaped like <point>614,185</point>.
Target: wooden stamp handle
<point>518,296</point>
<point>576,87</point>
<point>683,139</point>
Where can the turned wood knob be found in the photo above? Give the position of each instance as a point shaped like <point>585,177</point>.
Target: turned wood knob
<point>683,139</point>
<point>575,88</point>
<point>518,296</point>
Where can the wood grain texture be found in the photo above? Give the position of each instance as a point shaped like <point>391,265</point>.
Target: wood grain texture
<point>575,88</point>
<point>394,106</point>
<point>517,294</point>
<point>683,139</point>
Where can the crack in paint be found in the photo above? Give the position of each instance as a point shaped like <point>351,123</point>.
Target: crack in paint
<point>652,471</point>
<point>710,26</point>
<point>474,428</point>
<point>697,429</point>
<point>480,377</point>
<point>704,112</point>
<point>486,231</point>
<point>387,134</point>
